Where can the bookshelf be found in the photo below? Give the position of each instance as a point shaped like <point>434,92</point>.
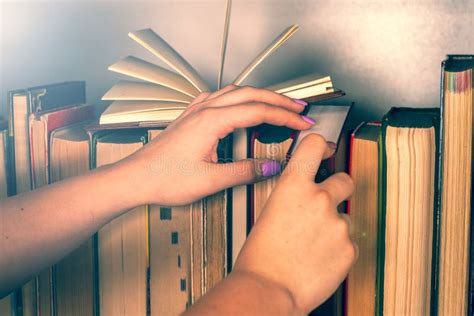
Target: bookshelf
<point>358,53</point>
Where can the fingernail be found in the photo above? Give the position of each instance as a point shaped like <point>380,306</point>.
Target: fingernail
<point>308,119</point>
<point>270,168</point>
<point>303,103</point>
<point>332,145</point>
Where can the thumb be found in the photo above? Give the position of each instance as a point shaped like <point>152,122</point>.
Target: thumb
<point>305,161</point>
<point>245,171</point>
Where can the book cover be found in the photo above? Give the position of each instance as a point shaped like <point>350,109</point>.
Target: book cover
<point>363,208</point>
<point>42,124</point>
<point>24,102</point>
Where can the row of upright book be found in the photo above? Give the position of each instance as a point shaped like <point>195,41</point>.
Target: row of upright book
<point>411,210</point>
<point>152,260</point>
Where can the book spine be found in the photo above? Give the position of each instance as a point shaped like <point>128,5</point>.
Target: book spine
<point>11,147</point>
<point>56,96</point>
<point>93,136</point>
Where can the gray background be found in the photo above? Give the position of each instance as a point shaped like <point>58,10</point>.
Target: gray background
<point>382,53</point>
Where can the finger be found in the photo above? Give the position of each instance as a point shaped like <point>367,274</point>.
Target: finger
<point>201,97</point>
<point>209,96</point>
<point>190,108</point>
<point>350,230</point>
<point>340,186</point>
<point>222,91</point>
<point>306,159</point>
<point>345,217</point>
<point>224,120</point>
<point>244,172</point>
<point>250,94</point>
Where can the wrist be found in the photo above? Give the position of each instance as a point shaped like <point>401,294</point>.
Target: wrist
<point>122,183</point>
<point>280,297</point>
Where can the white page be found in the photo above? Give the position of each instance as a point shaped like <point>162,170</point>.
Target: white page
<point>329,122</point>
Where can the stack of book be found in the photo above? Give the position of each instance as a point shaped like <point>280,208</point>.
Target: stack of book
<point>411,210</point>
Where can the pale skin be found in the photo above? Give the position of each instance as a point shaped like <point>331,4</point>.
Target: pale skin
<point>299,250</point>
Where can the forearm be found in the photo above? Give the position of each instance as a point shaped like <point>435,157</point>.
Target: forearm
<point>245,293</point>
<point>39,228</point>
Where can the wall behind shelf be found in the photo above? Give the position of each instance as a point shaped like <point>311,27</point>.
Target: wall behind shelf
<point>382,53</point>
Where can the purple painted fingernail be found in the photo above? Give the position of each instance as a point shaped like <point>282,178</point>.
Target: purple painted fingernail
<point>301,102</point>
<point>270,168</point>
<point>308,119</point>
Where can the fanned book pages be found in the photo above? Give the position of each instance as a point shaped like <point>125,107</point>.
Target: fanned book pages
<point>132,99</point>
<point>143,70</point>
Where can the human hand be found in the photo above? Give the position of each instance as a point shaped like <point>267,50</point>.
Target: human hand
<point>180,165</point>
<point>300,243</point>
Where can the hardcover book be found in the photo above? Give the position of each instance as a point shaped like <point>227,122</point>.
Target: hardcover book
<point>407,238</point>
<point>456,263</point>
<point>363,210</point>
<point>73,285</point>
<point>7,304</point>
<point>122,244</point>
<point>277,143</point>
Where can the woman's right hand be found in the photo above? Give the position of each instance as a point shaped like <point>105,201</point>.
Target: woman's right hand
<point>300,243</point>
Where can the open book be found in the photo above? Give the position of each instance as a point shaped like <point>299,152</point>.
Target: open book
<point>162,95</point>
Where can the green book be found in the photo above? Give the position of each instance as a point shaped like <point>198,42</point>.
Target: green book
<point>408,212</point>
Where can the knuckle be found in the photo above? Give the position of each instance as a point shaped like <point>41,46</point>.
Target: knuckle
<point>206,113</point>
<point>203,95</point>
<point>262,108</point>
<point>347,179</point>
<point>324,198</point>
<point>248,89</point>
<point>343,229</point>
<point>350,251</point>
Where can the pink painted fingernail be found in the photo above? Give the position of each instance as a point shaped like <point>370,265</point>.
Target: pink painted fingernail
<point>270,168</point>
<point>308,119</point>
<point>301,102</point>
<point>332,145</point>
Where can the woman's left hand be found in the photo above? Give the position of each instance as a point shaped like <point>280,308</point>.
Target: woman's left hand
<point>180,166</point>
